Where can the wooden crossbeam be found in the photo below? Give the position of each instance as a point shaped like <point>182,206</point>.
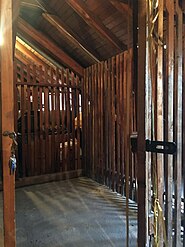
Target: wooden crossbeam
<point>50,46</point>
<point>93,21</point>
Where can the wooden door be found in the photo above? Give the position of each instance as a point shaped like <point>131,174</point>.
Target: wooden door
<point>7,124</point>
<point>160,118</point>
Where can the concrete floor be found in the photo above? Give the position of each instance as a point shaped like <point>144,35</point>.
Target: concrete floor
<point>73,213</point>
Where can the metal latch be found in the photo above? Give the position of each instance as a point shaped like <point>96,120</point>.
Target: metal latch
<point>154,146</point>
<point>161,147</point>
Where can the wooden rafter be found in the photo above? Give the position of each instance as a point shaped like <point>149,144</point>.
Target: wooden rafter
<point>64,30</point>
<point>121,7</point>
<point>27,53</point>
<point>50,46</point>
<point>92,20</point>
<point>55,21</point>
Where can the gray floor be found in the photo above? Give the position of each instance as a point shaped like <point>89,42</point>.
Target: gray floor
<point>74,213</point>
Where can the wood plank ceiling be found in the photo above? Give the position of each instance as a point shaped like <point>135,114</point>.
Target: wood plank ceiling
<point>75,33</point>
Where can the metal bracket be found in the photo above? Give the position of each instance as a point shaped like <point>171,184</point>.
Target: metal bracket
<point>154,146</point>
<point>161,147</point>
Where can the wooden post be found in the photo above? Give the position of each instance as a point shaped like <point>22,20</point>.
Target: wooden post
<point>141,174</point>
<point>7,98</point>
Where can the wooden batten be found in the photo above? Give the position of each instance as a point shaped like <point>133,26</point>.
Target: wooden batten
<point>141,173</point>
<point>7,104</point>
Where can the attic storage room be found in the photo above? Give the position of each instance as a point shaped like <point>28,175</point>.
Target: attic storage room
<point>92,123</point>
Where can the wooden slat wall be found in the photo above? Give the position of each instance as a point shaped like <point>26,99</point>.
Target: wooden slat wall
<point>164,112</point>
<point>47,103</point>
<point>108,122</point>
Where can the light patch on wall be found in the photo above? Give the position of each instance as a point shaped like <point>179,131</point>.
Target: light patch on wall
<point>1,37</point>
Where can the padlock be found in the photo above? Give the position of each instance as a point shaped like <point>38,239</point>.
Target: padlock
<point>13,164</point>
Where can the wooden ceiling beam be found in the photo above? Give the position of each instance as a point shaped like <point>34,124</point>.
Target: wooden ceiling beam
<point>19,56</point>
<point>29,54</point>
<point>64,30</point>
<point>93,21</point>
<point>50,46</point>
<point>123,8</point>
<point>50,15</point>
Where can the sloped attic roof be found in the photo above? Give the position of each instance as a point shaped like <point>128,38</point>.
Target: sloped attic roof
<point>82,32</point>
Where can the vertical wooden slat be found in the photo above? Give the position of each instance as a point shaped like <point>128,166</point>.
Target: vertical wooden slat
<point>101,121</point>
<point>41,132</point>
<point>46,121</point>
<point>141,174</point>
<point>29,156</point>
<point>113,119</point>
<point>118,118</point>
<point>178,168</point>
<point>35,121</point>
<point>23,103</point>
<point>73,122</point>
<point>57,117</point>
<point>106,119</point>
<point>52,120</point>
<point>121,102</point>
<point>93,120</point>
<point>96,120</point>
<point>170,81</point>
<point>68,119</point>
<point>78,127</point>
<point>7,98</point>
<point>109,122</point>
<point>160,130</point>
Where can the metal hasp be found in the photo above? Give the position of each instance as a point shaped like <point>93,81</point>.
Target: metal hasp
<point>161,147</point>
<point>153,146</point>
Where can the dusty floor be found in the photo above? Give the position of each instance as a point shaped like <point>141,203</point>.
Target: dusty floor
<point>73,213</point>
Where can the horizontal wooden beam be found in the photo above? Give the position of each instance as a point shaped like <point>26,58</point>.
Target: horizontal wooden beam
<point>21,182</point>
<point>93,21</point>
<point>121,7</point>
<point>50,46</point>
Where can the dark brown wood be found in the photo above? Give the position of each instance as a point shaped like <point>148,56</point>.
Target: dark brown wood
<point>46,121</point>
<point>28,54</point>
<point>178,167</point>
<point>78,127</point>
<point>61,27</point>
<point>50,46</point>
<point>170,73</point>
<point>124,8</point>
<point>7,101</point>
<point>82,9</point>
<point>29,156</point>
<point>15,14</point>
<point>141,174</point>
